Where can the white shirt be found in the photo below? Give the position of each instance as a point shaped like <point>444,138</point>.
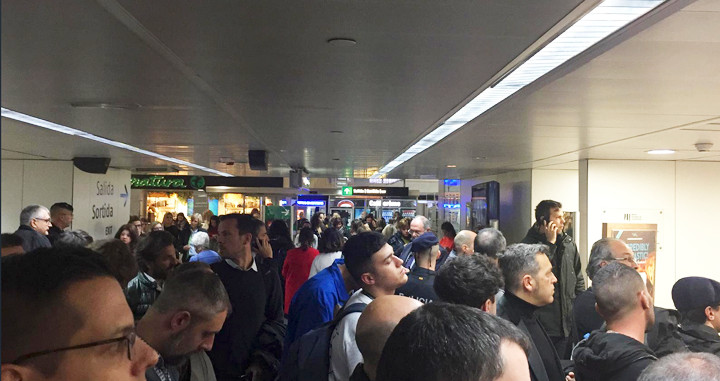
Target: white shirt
<point>344,352</point>
<point>235,265</point>
<point>322,261</point>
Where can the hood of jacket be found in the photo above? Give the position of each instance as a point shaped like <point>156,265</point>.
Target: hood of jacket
<point>604,354</point>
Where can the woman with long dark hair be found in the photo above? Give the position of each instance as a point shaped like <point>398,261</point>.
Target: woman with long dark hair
<point>448,239</point>
<point>330,246</point>
<point>128,235</point>
<point>297,265</point>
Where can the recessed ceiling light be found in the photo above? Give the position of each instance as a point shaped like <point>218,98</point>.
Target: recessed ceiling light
<point>602,21</point>
<point>336,132</point>
<point>341,42</point>
<point>106,105</point>
<point>661,152</point>
<point>452,166</point>
<point>20,117</point>
<point>336,159</point>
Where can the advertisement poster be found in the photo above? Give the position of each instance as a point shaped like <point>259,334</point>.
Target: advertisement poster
<point>642,239</point>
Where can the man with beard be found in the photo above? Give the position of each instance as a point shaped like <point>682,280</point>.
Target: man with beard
<point>618,354</point>
<point>183,322</point>
<point>556,317</point>
<point>156,257</point>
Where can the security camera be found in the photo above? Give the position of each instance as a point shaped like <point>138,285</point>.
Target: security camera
<point>703,147</point>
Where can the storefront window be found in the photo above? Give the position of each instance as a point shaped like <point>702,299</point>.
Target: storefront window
<point>159,203</point>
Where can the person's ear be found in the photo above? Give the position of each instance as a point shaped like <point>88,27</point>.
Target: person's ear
<point>710,313</point>
<point>528,283</point>
<point>645,302</point>
<point>487,305</point>
<point>12,372</point>
<point>180,320</point>
<point>368,279</point>
<point>247,238</point>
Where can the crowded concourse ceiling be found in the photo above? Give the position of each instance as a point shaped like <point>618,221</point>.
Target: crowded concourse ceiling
<point>341,88</point>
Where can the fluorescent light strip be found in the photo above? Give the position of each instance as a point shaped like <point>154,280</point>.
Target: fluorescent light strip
<point>596,25</point>
<point>71,131</point>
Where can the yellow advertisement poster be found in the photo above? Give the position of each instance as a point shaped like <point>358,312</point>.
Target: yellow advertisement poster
<point>642,239</point>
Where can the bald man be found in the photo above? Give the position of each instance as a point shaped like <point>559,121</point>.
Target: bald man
<point>374,327</point>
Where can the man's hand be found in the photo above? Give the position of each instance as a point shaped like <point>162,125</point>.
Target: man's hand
<point>264,247</point>
<point>550,229</point>
<point>254,372</point>
<point>570,376</point>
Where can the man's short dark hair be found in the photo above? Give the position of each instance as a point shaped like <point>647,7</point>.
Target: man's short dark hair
<point>10,240</point>
<point>245,223</point>
<point>468,280</point>
<point>150,246</point>
<point>73,238</point>
<point>33,286</point>
<point>194,288</point>
<point>358,252</point>
<point>517,261</point>
<point>133,218</point>
<point>616,287</point>
<point>544,208</point>
<point>490,242</point>
<point>58,206</point>
<point>441,341</point>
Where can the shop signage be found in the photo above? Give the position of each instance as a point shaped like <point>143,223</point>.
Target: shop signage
<point>345,204</point>
<point>101,202</point>
<point>167,182</point>
<point>312,200</point>
<point>381,191</point>
<point>385,203</point>
<point>451,206</point>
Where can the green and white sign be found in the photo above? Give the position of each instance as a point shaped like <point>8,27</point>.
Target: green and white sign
<point>347,191</point>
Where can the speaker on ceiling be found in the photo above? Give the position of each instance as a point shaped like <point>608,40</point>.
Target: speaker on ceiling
<point>296,179</point>
<point>92,164</point>
<point>258,160</point>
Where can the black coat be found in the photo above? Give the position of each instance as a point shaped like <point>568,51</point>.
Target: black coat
<point>31,239</point>
<point>611,356</point>
<point>419,285</point>
<point>700,338</point>
<point>557,317</point>
<point>542,358</point>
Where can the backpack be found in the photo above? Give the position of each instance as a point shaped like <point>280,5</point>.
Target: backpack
<point>308,358</point>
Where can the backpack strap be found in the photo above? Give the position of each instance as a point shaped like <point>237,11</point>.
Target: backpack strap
<point>347,310</point>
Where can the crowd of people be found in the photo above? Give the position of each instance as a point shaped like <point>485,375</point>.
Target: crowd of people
<point>234,298</point>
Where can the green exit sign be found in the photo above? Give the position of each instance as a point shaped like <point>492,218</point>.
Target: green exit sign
<point>347,191</point>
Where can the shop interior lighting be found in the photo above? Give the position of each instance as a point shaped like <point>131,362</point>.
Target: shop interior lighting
<point>20,117</point>
<point>602,21</point>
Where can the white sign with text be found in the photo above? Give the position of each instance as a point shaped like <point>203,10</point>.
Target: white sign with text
<point>101,203</point>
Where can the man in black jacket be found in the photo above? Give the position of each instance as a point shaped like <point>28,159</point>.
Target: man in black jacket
<point>548,230</point>
<point>698,300</point>
<point>250,341</point>
<point>34,226</point>
<point>617,354</point>
<point>529,285</point>
<point>422,277</point>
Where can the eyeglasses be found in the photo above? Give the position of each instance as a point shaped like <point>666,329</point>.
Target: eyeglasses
<point>629,260</point>
<point>47,220</point>
<point>130,338</point>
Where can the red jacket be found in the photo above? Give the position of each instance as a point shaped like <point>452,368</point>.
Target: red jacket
<point>296,270</point>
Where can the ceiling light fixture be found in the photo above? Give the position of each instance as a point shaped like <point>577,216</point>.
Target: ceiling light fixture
<point>342,42</point>
<point>451,166</point>
<point>661,152</point>
<point>20,117</point>
<point>602,21</point>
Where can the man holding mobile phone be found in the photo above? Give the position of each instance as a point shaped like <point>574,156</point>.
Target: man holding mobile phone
<point>556,317</point>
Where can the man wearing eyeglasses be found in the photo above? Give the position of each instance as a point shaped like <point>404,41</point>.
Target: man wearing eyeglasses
<point>604,251</point>
<point>34,226</point>
<point>64,317</point>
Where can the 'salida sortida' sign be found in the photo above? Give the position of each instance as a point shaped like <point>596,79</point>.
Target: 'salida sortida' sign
<point>167,182</point>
